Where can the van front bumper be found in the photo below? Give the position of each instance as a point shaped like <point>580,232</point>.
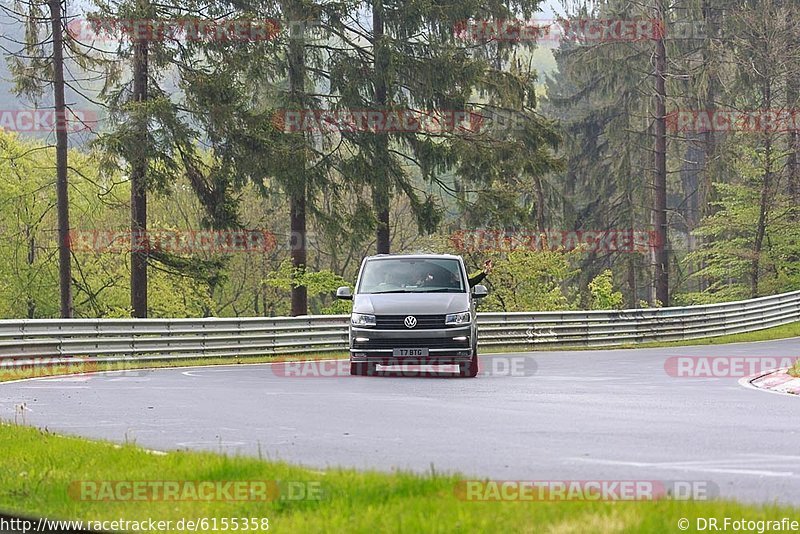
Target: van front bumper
<point>444,345</point>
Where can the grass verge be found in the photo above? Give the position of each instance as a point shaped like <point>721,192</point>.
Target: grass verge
<point>17,373</point>
<point>37,469</point>
<point>768,334</point>
<point>795,369</point>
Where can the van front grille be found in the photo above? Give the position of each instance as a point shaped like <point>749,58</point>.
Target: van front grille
<point>396,322</point>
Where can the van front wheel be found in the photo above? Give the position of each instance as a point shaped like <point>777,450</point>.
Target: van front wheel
<point>362,368</point>
<point>470,368</point>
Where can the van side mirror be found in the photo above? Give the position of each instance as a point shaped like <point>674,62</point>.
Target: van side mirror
<point>479,291</point>
<point>344,293</point>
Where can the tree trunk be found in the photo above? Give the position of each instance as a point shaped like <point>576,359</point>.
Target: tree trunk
<point>711,21</point>
<point>631,281</point>
<point>298,189</point>
<point>763,207</point>
<point>793,171</point>
<point>630,222</point>
<point>31,259</point>
<point>692,177</point>
<point>381,191</point>
<point>793,157</point>
<point>540,218</point>
<point>660,177</point>
<point>139,242</point>
<point>62,192</point>
<point>297,218</point>
<point>380,198</point>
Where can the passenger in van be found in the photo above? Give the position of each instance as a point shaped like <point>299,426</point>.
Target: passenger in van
<point>478,278</point>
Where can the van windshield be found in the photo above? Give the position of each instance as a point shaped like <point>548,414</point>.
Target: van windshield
<point>412,275</point>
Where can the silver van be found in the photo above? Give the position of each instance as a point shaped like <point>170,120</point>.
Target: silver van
<point>413,309</point>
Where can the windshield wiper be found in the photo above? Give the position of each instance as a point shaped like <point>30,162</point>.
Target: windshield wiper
<point>443,290</point>
<point>420,290</point>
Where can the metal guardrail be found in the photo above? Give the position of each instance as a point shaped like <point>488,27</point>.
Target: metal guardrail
<point>27,341</point>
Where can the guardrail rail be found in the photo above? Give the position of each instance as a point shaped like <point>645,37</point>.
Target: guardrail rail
<point>28,341</point>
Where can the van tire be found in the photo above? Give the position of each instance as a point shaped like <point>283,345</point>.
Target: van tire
<point>470,368</point>
<point>362,369</point>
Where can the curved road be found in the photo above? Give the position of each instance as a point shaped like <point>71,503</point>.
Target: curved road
<point>588,415</point>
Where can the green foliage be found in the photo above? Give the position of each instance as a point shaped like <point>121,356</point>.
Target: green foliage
<point>28,245</point>
<point>726,239</point>
<point>28,257</point>
<point>644,304</point>
<point>178,296</point>
<point>338,307</point>
<point>531,280</point>
<point>601,290</point>
<point>321,284</point>
<point>286,277</point>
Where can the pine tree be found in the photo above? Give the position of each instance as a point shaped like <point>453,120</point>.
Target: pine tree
<point>34,69</point>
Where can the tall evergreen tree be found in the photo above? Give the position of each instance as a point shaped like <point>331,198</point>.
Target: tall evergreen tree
<point>418,57</point>
<point>34,69</point>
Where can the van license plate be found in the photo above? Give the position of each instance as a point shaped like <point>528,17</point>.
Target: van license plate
<point>412,353</point>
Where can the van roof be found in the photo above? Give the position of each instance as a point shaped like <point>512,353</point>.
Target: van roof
<point>421,256</point>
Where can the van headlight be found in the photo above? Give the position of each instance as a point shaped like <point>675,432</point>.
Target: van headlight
<point>362,319</point>
<point>455,319</point>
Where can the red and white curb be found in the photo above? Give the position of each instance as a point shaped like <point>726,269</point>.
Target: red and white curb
<point>777,381</point>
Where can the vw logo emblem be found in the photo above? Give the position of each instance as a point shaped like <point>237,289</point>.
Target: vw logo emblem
<point>410,321</point>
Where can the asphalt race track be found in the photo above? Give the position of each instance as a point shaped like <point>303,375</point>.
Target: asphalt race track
<point>587,415</point>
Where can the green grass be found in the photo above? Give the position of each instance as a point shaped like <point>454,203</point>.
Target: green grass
<point>768,334</point>
<point>17,373</point>
<point>795,369</point>
<point>37,468</point>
